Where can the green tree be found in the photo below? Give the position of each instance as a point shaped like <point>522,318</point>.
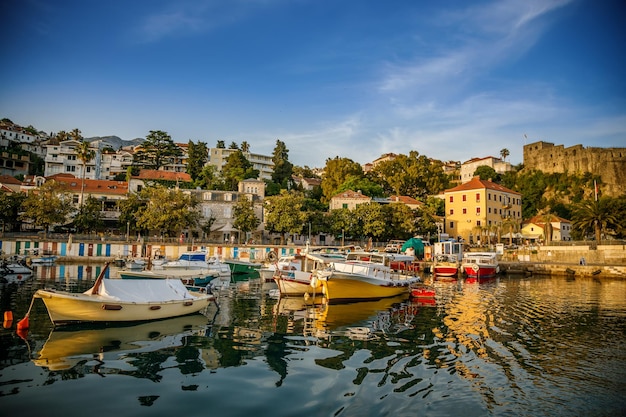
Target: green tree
<point>245,219</point>
<point>10,207</point>
<point>89,216</point>
<point>245,147</point>
<point>594,216</point>
<point>197,157</point>
<point>85,154</point>
<point>412,175</point>
<point>336,172</point>
<point>220,144</point>
<point>363,184</point>
<point>156,150</point>
<point>283,169</point>
<point>401,221</point>
<point>209,179</point>
<point>284,213</point>
<point>342,222</point>
<point>236,169</point>
<point>49,204</point>
<point>485,172</point>
<point>371,219</point>
<point>167,210</point>
<point>504,153</point>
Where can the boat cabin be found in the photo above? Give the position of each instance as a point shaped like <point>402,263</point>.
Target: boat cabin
<point>450,249</point>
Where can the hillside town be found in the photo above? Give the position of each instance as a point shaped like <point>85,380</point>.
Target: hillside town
<point>465,206</point>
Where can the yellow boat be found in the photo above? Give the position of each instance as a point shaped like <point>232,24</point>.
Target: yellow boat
<point>366,276</point>
<point>120,300</point>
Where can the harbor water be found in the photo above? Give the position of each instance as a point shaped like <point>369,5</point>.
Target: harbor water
<point>509,346</point>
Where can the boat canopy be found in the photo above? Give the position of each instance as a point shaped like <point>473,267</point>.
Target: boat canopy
<point>415,243</point>
<point>142,290</point>
<point>193,256</point>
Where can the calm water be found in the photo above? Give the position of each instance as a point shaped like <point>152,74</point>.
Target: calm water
<point>512,346</point>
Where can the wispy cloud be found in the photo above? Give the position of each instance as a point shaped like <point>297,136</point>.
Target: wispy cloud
<point>483,36</point>
<point>191,17</point>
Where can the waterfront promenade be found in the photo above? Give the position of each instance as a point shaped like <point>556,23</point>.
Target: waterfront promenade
<point>600,261</point>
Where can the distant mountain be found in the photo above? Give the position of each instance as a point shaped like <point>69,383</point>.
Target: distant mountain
<point>116,142</point>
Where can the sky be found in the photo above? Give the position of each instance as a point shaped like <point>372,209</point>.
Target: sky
<point>450,79</point>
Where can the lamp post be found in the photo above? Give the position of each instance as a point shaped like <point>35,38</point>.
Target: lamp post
<point>127,231</point>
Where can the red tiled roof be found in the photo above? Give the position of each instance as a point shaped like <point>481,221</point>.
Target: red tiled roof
<point>7,179</point>
<point>153,174</point>
<point>74,184</point>
<point>477,184</point>
<point>540,221</point>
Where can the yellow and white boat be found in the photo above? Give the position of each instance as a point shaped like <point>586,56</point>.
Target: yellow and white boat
<point>123,300</point>
<point>366,276</point>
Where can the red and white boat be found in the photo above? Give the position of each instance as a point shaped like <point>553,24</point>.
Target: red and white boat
<point>447,258</point>
<point>480,264</point>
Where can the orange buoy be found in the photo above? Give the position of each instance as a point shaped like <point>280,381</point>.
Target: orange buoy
<point>8,316</point>
<point>22,333</point>
<point>23,324</point>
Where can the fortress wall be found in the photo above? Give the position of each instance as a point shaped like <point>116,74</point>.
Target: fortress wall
<point>608,163</point>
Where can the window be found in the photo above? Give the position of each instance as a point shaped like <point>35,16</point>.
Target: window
<point>464,210</point>
<point>464,197</point>
<point>344,205</point>
<point>477,222</point>
<point>478,211</point>
<point>451,212</point>
<point>477,197</point>
<point>451,199</point>
<point>451,225</point>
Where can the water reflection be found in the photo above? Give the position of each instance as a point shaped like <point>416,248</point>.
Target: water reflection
<point>67,347</point>
<point>516,346</point>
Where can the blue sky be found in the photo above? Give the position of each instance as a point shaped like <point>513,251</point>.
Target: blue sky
<point>451,80</point>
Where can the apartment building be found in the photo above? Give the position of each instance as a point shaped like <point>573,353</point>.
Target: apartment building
<point>263,163</point>
<point>479,205</point>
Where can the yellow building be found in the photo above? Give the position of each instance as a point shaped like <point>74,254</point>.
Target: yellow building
<point>479,208</point>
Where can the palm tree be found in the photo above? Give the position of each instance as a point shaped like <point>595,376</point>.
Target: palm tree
<point>594,215</point>
<point>504,153</point>
<point>76,134</point>
<point>547,227</point>
<point>61,136</point>
<point>245,147</point>
<point>85,154</point>
<point>512,226</point>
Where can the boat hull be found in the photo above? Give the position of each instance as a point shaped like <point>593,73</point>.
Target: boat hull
<point>341,287</point>
<point>66,308</point>
<point>481,271</point>
<point>296,283</point>
<point>243,268</point>
<point>451,270</point>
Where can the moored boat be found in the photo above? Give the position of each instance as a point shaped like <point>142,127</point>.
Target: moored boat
<point>447,259</point>
<point>480,264</point>
<point>243,267</point>
<point>123,300</point>
<point>188,260</point>
<point>365,276</point>
<point>296,279</point>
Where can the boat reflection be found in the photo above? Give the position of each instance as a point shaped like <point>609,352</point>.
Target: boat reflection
<point>358,320</point>
<point>68,346</point>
